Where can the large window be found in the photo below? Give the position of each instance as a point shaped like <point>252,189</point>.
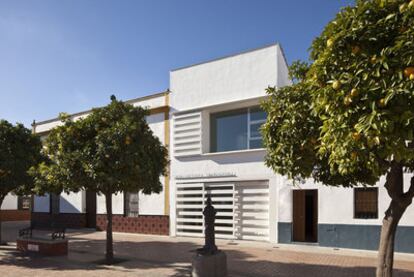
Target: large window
<point>131,204</point>
<point>366,203</point>
<point>237,129</point>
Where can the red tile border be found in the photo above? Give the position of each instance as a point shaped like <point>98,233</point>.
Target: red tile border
<point>143,224</point>
<point>14,215</point>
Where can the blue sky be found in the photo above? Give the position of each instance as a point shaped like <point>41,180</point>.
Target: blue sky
<point>69,56</point>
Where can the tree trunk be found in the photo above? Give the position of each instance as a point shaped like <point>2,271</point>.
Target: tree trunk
<point>1,203</point>
<point>386,248</point>
<point>399,203</point>
<point>109,241</point>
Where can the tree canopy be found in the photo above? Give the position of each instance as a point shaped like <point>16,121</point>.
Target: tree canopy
<point>110,150</point>
<point>19,154</point>
<point>348,119</point>
<point>351,110</point>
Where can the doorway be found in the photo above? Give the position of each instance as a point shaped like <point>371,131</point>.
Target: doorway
<point>90,209</point>
<point>305,215</point>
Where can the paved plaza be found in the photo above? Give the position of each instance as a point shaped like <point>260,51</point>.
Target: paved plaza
<point>141,255</point>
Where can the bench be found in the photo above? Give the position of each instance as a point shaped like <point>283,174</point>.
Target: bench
<point>55,231</point>
<point>46,239</point>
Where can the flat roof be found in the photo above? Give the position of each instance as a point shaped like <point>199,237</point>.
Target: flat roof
<point>231,55</point>
<point>130,101</point>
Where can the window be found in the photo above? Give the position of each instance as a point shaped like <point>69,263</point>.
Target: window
<point>24,202</point>
<point>366,203</point>
<point>237,129</point>
<point>131,207</point>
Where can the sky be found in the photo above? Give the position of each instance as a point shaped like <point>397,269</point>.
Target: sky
<point>71,55</point>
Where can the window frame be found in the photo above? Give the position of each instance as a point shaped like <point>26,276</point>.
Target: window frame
<point>127,212</point>
<point>249,122</point>
<point>357,215</point>
<point>20,200</point>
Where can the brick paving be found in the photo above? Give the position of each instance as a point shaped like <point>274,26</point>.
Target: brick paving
<point>163,256</point>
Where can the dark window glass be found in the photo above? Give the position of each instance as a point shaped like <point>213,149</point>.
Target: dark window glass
<point>256,143</point>
<point>255,130</point>
<point>366,203</point>
<point>24,202</point>
<point>256,113</point>
<point>237,130</point>
<point>229,131</point>
<point>131,204</point>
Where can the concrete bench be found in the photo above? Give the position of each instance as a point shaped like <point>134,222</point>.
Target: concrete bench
<point>47,240</point>
<point>45,247</point>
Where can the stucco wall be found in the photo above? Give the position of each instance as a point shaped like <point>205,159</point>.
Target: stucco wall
<point>72,202</point>
<point>220,85</point>
<point>230,79</point>
<point>9,202</point>
<point>336,204</point>
<point>41,204</point>
<point>148,204</point>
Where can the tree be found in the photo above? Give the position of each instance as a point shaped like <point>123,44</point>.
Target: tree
<point>348,118</point>
<point>19,153</point>
<point>112,150</point>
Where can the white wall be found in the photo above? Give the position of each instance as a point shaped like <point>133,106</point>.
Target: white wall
<point>41,204</point>
<point>336,204</point>
<point>72,202</point>
<point>230,79</point>
<point>154,203</point>
<point>9,202</point>
<point>117,204</point>
<point>147,102</point>
<point>148,204</point>
<point>224,84</point>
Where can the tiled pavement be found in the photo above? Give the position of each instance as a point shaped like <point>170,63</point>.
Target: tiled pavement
<point>162,256</point>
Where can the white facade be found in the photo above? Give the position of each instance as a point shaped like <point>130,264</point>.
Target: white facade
<point>197,92</point>
<point>75,203</point>
<point>253,202</point>
<point>10,202</point>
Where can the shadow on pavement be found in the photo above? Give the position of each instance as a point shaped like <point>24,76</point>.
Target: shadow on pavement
<point>85,254</point>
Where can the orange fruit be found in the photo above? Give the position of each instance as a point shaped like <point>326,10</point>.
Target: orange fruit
<point>381,102</point>
<point>127,140</point>
<point>347,100</point>
<point>412,77</point>
<point>373,59</point>
<point>356,136</point>
<point>329,42</point>
<point>354,155</point>
<point>336,85</point>
<point>354,92</point>
<point>408,71</point>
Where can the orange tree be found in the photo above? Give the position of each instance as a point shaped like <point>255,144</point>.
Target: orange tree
<point>112,150</point>
<point>19,153</point>
<point>348,117</point>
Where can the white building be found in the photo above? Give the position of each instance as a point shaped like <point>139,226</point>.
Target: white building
<point>216,149</point>
<point>132,212</point>
<point>15,208</point>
